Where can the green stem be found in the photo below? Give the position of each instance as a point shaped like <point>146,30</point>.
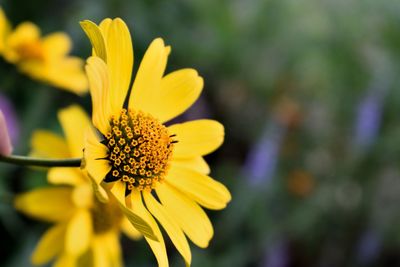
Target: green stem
<point>28,161</point>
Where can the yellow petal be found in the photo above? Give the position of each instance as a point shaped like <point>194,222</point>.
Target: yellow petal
<point>196,138</point>
<point>50,204</point>
<point>178,91</point>
<point>95,154</point>
<point>146,87</point>
<point>5,28</point>
<point>100,256</point>
<point>194,163</point>
<point>119,61</point>
<point>189,215</point>
<point>96,38</point>
<point>158,247</point>
<point>65,260</point>
<point>99,84</point>
<point>129,230</point>
<point>171,227</point>
<point>56,45</point>
<point>49,145</point>
<point>79,233</point>
<point>140,223</point>
<point>111,241</point>
<point>69,176</point>
<point>74,122</point>
<point>199,187</point>
<point>66,73</point>
<point>25,33</point>
<point>50,245</point>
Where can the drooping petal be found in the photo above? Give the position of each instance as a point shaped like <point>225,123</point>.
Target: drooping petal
<point>79,232</point>
<point>49,145</point>
<point>96,38</point>
<point>65,260</point>
<point>199,187</point>
<point>49,204</point>
<point>99,83</point>
<point>74,122</point>
<point>190,217</point>
<point>128,229</point>
<point>139,222</point>
<point>178,91</point>
<point>68,176</point>
<point>119,61</point>
<point>194,163</point>
<point>171,227</point>
<point>196,138</point>
<point>50,245</point>
<point>147,83</point>
<point>158,247</point>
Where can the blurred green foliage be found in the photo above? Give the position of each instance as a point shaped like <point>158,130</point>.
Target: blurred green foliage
<point>309,94</point>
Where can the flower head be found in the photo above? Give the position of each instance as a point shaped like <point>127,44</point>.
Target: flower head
<point>42,58</point>
<point>83,226</point>
<point>154,171</point>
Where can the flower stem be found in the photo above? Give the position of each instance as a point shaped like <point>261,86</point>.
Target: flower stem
<point>28,161</point>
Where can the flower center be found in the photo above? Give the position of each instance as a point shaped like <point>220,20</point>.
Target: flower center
<point>31,50</point>
<point>140,149</point>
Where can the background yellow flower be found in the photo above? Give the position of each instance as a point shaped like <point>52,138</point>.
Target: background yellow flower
<point>43,58</point>
<point>85,232</point>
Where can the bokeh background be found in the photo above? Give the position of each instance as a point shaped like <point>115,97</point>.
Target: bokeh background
<point>309,94</point>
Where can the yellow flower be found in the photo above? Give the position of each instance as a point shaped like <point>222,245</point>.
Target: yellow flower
<point>42,58</point>
<point>154,170</point>
<point>85,231</point>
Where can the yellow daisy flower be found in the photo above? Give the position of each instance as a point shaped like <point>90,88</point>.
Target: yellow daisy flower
<point>85,231</point>
<point>42,58</point>
<point>156,171</point>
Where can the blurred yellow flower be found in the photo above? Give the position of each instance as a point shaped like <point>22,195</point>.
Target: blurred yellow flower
<point>85,231</point>
<point>42,58</point>
<point>151,169</point>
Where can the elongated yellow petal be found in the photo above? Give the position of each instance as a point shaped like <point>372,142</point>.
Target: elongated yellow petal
<point>56,45</point>
<point>119,61</point>
<point>197,138</point>
<point>79,233</point>
<point>100,255</point>
<point>190,216</point>
<point>95,154</point>
<point>147,83</point>
<point>178,91</point>
<point>5,28</point>
<point>199,187</point>
<point>66,260</point>
<point>128,229</point>
<point>74,122</point>
<point>98,76</point>
<point>140,223</point>
<point>96,38</point>
<point>69,176</point>
<point>111,241</point>
<point>158,247</point>
<point>50,245</point>
<point>194,163</point>
<point>94,166</point>
<point>171,227</point>
<point>49,145</point>
<point>50,204</point>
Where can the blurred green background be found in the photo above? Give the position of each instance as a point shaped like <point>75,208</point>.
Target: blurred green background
<point>309,95</point>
